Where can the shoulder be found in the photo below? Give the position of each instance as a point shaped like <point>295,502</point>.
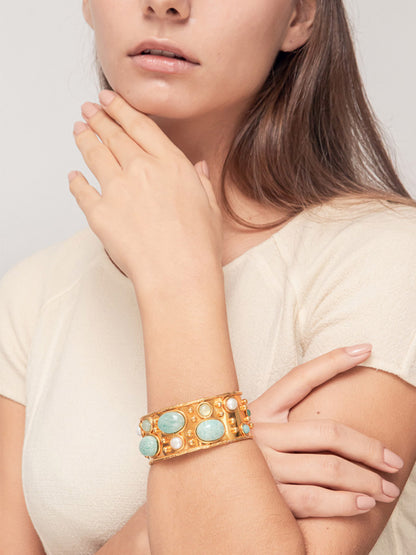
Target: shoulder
<point>354,274</point>
<point>341,234</point>
<point>50,270</point>
<point>343,219</point>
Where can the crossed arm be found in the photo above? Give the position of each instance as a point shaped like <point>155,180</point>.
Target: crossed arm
<point>264,521</point>
<point>223,496</point>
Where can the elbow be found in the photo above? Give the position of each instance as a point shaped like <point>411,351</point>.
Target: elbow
<point>300,548</point>
<point>289,544</point>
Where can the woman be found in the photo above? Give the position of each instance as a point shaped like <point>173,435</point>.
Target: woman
<point>166,293</point>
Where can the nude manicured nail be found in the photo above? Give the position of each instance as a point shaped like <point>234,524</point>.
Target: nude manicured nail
<point>88,109</point>
<point>357,350</point>
<point>364,503</point>
<point>106,96</point>
<point>79,127</point>
<point>390,489</point>
<point>392,459</point>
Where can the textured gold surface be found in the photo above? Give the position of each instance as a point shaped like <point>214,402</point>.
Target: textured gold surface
<point>232,419</point>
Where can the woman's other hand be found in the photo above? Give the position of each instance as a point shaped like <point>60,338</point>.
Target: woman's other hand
<point>157,215</point>
<point>322,468</point>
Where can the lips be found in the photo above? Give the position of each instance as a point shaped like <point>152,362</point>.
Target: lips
<point>162,44</point>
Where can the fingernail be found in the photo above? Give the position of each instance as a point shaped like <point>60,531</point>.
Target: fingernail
<point>106,96</point>
<point>72,175</point>
<point>364,503</point>
<point>392,459</point>
<point>88,109</point>
<point>390,489</point>
<point>79,127</point>
<point>357,350</point>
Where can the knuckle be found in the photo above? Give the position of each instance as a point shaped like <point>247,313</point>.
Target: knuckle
<point>148,172</point>
<point>138,128</point>
<point>135,166</point>
<point>116,182</point>
<point>330,431</point>
<point>334,356</point>
<point>332,466</point>
<point>375,449</point>
<point>112,140</point>
<point>376,485</point>
<point>91,153</point>
<point>177,155</point>
<point>309,498</point>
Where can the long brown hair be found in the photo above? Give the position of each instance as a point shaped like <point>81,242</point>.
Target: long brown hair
<point>310,136</point>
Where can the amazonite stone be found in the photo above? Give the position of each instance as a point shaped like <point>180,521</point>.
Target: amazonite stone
<point>171,422</point>
<point>246,428</point>
<point>146,425</point>
<point>149,446</point>
<point>210,430</point>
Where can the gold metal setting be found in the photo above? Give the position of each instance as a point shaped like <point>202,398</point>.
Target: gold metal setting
<point>234,417</point>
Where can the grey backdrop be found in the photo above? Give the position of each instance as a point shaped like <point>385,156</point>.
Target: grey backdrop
<point>46,52</point>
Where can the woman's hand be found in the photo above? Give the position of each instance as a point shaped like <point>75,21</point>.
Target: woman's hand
<point>319,485</point>
<point>157,215</point>
<point>303,478</point>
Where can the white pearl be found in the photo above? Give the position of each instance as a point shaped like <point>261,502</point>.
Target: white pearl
<point>176,443</point>
<point>231,403</point>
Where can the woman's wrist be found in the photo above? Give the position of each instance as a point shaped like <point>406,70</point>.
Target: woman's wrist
<point>198,286</point>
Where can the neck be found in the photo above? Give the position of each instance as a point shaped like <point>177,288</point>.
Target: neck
<point>209,137</point>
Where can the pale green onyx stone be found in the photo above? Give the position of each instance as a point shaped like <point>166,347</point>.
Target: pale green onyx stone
<point>246,428</point>
<point>148,446</point>
<point>209,430</point>
<point>171,422</point>
<point>146,425</point>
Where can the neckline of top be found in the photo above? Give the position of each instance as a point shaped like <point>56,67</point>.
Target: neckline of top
<point>263,243</point>
<point>240,257</point>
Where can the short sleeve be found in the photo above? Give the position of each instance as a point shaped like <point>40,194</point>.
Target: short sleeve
<point>359,286</point>
<point>21,294</point>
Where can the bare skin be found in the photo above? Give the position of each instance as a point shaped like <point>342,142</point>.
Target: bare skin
<point>201,126</point>
<point>199,111</point>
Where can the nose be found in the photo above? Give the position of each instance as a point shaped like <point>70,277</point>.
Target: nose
<point>176,9</point>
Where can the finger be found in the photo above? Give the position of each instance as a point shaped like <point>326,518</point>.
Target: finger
<point>311,436</point>
<point>96,155</point>
<point>299,382</point>
<point>85,195</point>
<point>140,127</point>
<point>314,501</point>
<point>329,471</point>
<point>123,147</point>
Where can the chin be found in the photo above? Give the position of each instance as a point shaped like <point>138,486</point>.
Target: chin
<point>157,105</point>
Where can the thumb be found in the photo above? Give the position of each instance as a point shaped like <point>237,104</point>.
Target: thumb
<point>203,173</point>
<point>202,167</point>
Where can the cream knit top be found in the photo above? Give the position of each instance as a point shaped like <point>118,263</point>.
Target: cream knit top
<point>71,350</point>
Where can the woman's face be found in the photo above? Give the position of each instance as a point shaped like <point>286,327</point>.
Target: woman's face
<point>235,42</point>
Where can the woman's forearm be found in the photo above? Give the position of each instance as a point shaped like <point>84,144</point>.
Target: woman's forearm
<point>221,499</point>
